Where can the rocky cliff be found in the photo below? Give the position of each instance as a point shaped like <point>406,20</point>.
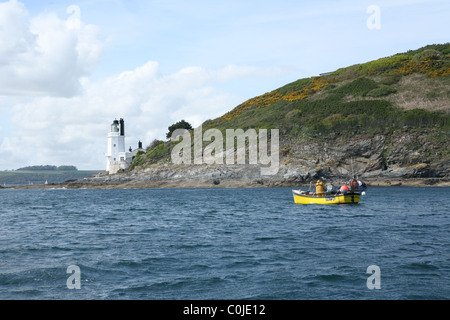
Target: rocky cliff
<point>379,161</point>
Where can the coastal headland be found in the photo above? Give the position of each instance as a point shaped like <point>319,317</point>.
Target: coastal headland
<point>386,121</point>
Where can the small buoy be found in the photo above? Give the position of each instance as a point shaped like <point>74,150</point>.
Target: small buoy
<point>363,193</point>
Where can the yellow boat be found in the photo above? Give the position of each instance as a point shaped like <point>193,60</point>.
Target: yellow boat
<point>307,197</point>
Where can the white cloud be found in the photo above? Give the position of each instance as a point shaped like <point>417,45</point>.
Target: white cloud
<point>58,130</point>
<point>45,55</point>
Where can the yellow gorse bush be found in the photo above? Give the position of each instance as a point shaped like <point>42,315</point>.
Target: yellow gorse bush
<point>258,102</point>
<point>269,98</point>
<point>441,72</point>
<point>317,84</point>
<point>423,66</point>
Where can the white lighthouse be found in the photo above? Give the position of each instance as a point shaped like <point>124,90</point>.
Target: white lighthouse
<point>116,157</point>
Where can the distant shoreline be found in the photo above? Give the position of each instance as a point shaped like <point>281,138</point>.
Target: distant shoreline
<point>80,184</point>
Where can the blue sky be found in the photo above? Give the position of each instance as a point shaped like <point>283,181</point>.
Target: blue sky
<point>68,68</point>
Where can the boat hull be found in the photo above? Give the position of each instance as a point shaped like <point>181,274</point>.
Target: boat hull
<point>349,198</point>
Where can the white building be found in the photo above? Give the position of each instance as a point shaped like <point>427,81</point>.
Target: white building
<point>116,157</point>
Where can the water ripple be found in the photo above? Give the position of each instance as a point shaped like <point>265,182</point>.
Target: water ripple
<point>222,244</point>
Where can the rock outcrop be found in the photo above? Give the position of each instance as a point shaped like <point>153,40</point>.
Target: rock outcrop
<point>379,161</point>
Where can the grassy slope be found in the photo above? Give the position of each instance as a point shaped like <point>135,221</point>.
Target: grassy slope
<point>408,92</point>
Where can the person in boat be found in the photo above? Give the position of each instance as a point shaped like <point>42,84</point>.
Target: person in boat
<point>362,185</point>
<point>343,189</point>
<point>320,188</point>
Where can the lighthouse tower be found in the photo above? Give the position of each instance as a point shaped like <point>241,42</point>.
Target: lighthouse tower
<point>116,157</point>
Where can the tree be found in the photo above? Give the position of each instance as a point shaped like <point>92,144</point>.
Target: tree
<point>179,125</point>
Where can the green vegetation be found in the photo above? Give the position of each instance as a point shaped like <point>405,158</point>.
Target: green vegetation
<point>154,144</point>
<point>295,86</point>
<point>379,66</point>
<point>155,152</point>
<point>381,91</point>
<point>158,150</point>
<point>359,87</point>
<point>365,87</point>
<point>427,53</point>
<point>433,60</point>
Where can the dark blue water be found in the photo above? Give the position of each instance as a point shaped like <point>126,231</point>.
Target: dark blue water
<point>223,244</point>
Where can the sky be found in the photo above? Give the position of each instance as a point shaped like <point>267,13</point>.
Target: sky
<point>69,68</point>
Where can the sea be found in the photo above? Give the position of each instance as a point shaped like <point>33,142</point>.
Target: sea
<point>223,244</point>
